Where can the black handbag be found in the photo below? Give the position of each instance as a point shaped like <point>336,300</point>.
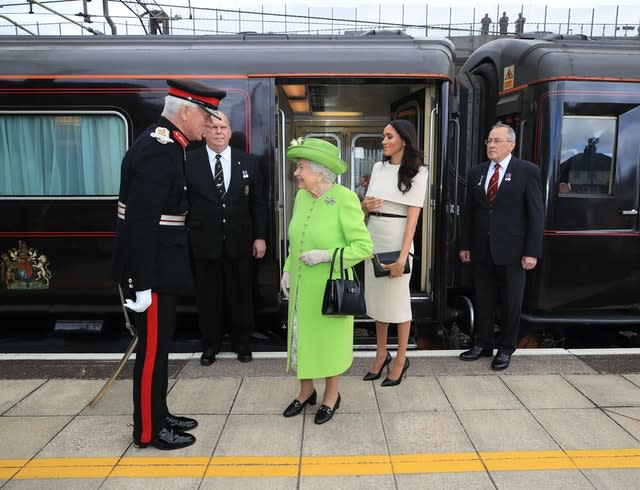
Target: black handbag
<point>387,258</point>
<point>343,296</point>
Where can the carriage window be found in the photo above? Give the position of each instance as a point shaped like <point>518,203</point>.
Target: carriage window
<point>58,154</point>
<point>366,150</point>
<point>587,155</point>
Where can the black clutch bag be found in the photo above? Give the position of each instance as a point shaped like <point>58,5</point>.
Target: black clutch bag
<point>387,258</point>
<point>343,296</point>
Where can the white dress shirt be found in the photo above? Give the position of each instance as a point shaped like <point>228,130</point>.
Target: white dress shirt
<point>503,170</point>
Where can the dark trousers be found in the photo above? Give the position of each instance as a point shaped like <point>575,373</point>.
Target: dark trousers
<point>224,297</point>
<point>155,329</point>
<point>492,280</point>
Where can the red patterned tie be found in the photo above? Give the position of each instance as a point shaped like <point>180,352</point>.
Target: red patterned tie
<point>493,185</point>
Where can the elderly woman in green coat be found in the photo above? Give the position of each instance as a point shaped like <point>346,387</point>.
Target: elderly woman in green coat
<point>326,216</point>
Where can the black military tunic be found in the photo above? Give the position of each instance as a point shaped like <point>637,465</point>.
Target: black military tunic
<point>151,252</point>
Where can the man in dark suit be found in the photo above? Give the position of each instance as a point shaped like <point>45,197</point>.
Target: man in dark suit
<point>151,257</point>
<point>227,222</point>
<point>503,224</point>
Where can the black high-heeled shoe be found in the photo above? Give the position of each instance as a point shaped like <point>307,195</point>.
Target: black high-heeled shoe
<point>296,406</point>
<point>373,376</point>
<point>393,382</point>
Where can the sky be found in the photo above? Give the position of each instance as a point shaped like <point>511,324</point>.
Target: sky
<point>464,16</point>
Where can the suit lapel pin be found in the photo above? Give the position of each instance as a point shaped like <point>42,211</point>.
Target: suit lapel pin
<point>480,181</point>
<point>507,177</point>
<point>245,174</point>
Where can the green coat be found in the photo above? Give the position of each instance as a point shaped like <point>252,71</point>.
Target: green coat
<point>334,220</point>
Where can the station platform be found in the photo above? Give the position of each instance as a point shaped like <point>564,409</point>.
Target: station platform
<point>554,419</point>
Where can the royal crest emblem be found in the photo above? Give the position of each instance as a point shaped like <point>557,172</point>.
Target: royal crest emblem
<point>162,135</point>
<point>25,268</point>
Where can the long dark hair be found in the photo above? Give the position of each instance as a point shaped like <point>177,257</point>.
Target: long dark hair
<point>412,155</point>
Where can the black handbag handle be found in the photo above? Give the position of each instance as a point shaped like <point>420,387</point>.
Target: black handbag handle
<point>342,274</point>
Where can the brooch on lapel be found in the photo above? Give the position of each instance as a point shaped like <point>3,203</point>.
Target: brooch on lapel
<point>245,174</point>
<point>330,200</point>
<point>507,177</point>
<point>162,135</point>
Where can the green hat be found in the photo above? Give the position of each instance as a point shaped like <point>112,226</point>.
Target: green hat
<point>319,151</point>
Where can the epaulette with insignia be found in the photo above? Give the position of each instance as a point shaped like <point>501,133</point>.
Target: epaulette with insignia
<point>162,135</point>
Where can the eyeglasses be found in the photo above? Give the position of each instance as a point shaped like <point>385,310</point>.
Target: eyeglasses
<point>497,141</point>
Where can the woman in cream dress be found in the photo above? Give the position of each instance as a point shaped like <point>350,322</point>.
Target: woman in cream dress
<point>395,196</point>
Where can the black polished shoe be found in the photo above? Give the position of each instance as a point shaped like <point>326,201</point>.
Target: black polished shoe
<point>394,382</point>
<point>475,352</point>
<point>208,357</point>
<point>325,413</point>
<point>296,406</point>
<point>501,361</point>
<point>168,439</point>
<point>180,423</point>
<point>245,356</point>
<point>373,376</point>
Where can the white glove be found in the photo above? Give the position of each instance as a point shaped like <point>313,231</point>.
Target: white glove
<point>142,302</point>
<point>285,282</point>
<point>313,257</point>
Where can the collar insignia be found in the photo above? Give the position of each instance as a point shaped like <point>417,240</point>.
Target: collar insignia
<point>180,138</point>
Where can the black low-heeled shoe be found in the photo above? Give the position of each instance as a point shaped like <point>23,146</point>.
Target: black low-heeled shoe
<point>178,423</point>
<point>296,406</point>
<point>325,413</point>
<point>373,376</point>
<point>393,382</point>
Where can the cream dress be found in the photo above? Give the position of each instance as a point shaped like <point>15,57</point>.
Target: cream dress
<point>388,299</point>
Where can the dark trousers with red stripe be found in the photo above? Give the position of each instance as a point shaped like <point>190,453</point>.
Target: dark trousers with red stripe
<point>151,370</point>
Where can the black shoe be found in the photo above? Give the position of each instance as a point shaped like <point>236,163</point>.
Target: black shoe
<point>373,376</point>
<point>208,357</point>
<point>296,406</point>
<point>180,423</point>
<point>245,356</point>
<point>325,413</point>
<point>393,382</point>
<point>168,439</point>
<point>501,361</point>
<point>475,352</point>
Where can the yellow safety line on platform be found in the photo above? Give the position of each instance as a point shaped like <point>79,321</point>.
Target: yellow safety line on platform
<point>267,466</point>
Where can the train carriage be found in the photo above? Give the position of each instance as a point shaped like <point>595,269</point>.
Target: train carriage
<point>575,106</point>
<point>69,108</point>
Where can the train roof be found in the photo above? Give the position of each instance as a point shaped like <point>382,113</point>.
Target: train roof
<point>536,60</point>
<point>253,55</point>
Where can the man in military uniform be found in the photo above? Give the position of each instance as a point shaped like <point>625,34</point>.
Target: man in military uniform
<point>151,258</point>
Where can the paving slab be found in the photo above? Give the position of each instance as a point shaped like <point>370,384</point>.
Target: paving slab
<point>607,390</point>
<point>634,378</point>
<point>478,393</point>
<point>627,417</point>
<point>415,394</point>
<point>614,479</point>
<point>227,365</point>
<point>207,435</point>
<point>584,428</point>
<point>12,391</point>
<point>572,479</point>
<point>203,395</point>
<point>24,437</point>
<point>445,481</point>
<point>523,362</point>
<point>95,436</point>
<point>505,430</point>
<point>345,434</point>
<point>357,396</point>
<point>58,397</point>
<point>116,483</point>
<point>546,391</point>
<point>55,484</point>
<point>355,482</point>
<point>117,401</point>
<point>260,435</point>
<point>262,395</point>
<point>425,432</point>
<point>268,483</point>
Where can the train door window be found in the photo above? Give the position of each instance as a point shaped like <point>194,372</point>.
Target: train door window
<point>61,154</point>
<point>366,150</point>
<point>586,156</point>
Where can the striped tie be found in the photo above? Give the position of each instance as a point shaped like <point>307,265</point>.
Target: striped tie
<point>218,178</point>
<point>493,185</point>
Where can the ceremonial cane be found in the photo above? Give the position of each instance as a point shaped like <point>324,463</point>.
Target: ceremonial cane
<point>125,358</point>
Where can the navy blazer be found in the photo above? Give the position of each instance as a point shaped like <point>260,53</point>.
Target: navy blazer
<point>513,226</point>
<point>229,226</point>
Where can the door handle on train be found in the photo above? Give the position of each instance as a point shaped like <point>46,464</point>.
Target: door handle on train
<point>628,212</point>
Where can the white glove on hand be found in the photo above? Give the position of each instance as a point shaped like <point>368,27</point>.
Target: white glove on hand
<point>313,257</point>
<point>142,302</point>
<point>285,282</point>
